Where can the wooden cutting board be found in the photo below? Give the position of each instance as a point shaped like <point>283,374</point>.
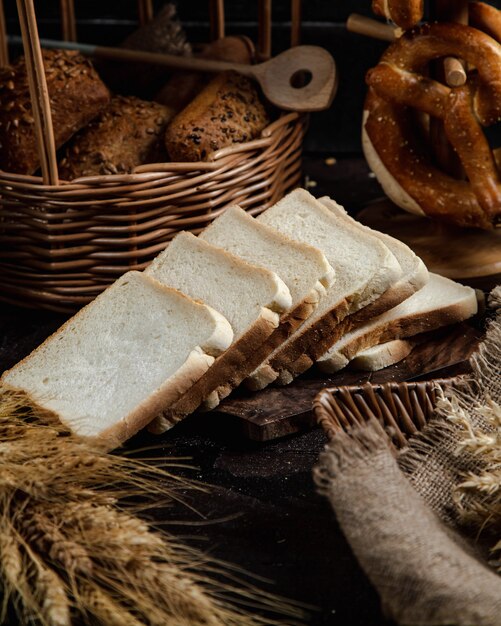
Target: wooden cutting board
<point>279,411</point>
<point>470,255</point>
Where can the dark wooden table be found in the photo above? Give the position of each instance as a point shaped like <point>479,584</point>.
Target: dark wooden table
<point>262,512</point>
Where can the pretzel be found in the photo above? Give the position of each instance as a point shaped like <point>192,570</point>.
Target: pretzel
<point>486,18</point>
<point>407,13</point>
<point>397,152</point>
<point>404,13</point>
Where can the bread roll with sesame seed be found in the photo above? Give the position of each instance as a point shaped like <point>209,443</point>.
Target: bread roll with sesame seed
<point>226,112</point>
<point>128,133</point>
<point>77,95</point>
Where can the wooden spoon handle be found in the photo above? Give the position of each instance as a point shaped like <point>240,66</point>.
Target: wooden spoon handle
<point>169,60</point>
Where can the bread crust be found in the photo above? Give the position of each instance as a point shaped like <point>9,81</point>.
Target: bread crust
<point>401,329</point>
<point>407,285</point>
<point>192,370</point>
<point>289,323</point>
<point>326,329</point>
<point>232,367</point>
<point>226,373</point>
<point>323,329</point>
<point>162,34</point>
<point>390,299</point>
<point>183,86</point>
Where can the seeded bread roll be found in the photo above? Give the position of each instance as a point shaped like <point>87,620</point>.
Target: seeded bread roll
<point>128,133</point>
<point>77,95</point>
<point>226,112</point>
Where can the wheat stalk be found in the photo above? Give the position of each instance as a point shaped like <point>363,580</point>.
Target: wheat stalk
<point>475,410</point>
<point>72,547</point>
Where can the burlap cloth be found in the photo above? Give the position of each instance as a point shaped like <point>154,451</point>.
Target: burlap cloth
<point>400,515</point>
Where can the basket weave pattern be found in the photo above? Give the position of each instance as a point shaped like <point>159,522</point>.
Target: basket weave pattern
<point>61,245</point>
<point>402,409</point>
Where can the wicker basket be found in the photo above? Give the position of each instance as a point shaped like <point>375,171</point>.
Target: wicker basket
<point>62,243</point>
<point>403,409</point>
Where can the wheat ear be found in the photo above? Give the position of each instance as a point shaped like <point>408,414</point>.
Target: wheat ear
<point>72,546</point>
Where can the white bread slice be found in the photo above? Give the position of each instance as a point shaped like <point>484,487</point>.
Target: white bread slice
<point>381,356</point>
<point>364,267</point>
<point>440,302</point>
<point>250,297</point>
<point>110,369</point>
<point>303,268</point>
<point>414,271</point>
<point>414,276</point>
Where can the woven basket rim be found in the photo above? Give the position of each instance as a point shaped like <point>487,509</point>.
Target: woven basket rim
<point>391,383</point>
<point>151,171</point>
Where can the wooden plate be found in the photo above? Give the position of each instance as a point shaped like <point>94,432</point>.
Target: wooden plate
<point>466,254</point>
<point>279,411</point>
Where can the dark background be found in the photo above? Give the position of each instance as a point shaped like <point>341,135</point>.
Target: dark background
<point>335,131</point>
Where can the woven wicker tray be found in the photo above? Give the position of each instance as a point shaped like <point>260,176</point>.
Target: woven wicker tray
<point>402,409</point>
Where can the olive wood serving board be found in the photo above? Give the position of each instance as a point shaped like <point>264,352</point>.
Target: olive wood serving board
<point>278,411</point>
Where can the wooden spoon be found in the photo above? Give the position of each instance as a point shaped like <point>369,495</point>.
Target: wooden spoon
<point>303,78</point>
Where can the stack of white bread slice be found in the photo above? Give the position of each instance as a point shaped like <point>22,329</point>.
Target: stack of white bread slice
<point>375,272</point>
<point>251,297</point>
<point>251,300</point>
<point>437,304</point>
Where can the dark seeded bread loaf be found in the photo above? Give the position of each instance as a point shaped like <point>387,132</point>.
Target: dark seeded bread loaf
<point>226,112</point>
<point>77,95</point>
<point>128,133</point>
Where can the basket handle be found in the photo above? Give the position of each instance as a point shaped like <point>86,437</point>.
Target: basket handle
<point>68,22</point>
<point>264,30</point>
<point>145,11</point>
<point>295,23</point>
<point>216,19</point>
<point>38,92</point>
<point>4,49</point>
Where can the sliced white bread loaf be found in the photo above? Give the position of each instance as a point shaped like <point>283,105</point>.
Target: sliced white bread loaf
<point>121,360</point>
<point>303,268</point>
<point>414,276</point>
<point>364,268</point>
<point>251,298</point>
<point>382,355</point>
<point>440,302</point>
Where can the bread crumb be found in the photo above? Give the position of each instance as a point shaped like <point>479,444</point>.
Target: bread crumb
<point>309,183</point>
<point>330,161</point>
